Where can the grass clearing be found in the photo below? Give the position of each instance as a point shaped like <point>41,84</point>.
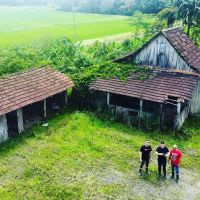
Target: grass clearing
<point>82,157</point>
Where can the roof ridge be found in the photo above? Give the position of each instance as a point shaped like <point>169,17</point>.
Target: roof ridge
<point>172,28</point>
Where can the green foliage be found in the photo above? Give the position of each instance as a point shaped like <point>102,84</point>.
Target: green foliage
<point>168,14</point>
<point>82,64</point>
<point>150,6</point>
<point>189,12</point>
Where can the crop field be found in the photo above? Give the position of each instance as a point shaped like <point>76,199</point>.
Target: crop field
<point>22,24</point>
<point>82,157</point>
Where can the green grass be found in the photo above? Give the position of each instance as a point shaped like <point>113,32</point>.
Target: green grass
<point>23,24</point>
<point>82,157</point>
<point>32,24</point>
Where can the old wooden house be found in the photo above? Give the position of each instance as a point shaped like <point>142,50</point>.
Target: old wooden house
<point>29,97</point>
<point>172,90</point>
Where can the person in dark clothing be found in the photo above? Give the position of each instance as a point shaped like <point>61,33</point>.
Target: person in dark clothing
<point>145,155</point>
<point>162,151</point>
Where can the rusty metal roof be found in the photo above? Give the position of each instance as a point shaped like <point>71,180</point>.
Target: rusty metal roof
<point>21,89</point>
<point>160,85</point>
<point>184,46</point>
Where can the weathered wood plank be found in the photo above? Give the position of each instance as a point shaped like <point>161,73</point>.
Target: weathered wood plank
<point>20,120</point>
<point>3,129</point>
<point>160,53</point>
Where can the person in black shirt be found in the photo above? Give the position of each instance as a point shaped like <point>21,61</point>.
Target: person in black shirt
<point>162,151</point>
<point>145,155</point>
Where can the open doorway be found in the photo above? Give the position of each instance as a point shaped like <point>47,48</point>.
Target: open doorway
<point>55,103</point>
<point>33,114</point>
<point>12,124</point>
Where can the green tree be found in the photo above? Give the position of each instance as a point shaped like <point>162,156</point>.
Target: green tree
<point>168,14</point>
<point>189,13</point>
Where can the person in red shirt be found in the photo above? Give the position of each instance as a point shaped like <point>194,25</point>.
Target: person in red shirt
<point>175,158</point>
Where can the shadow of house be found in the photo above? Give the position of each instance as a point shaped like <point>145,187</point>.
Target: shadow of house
<point>30,97</point>
<point>171,92</point>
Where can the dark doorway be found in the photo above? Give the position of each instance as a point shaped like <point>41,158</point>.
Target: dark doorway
<point>125,101</point>
<point>55,103</point>
<point>33,114</point>
<point>12,124</point>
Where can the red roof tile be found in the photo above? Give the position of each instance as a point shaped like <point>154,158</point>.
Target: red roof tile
<point>164,83</point>
<point>184,46</point>
<point>22,89</point>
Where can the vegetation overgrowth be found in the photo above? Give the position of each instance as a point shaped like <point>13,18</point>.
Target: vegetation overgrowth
<point>82,63</point>
<point>80,156</point>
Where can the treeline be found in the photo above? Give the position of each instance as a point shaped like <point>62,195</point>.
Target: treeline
<point>113,7</point>
<point>123,7</point>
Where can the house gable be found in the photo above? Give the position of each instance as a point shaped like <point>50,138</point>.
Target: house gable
<point>160,53</point>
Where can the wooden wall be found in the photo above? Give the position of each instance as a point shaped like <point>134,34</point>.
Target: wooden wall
<point>195,103</point>
<point>160,53</point>
<point>3,129</point>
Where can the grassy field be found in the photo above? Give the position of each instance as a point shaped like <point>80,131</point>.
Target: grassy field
<point>82,157</point>
<point>22,24</point>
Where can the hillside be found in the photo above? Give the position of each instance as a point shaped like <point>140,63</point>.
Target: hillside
<point>82,157</point>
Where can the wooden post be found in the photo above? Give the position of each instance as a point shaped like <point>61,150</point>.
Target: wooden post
<point>141,108</point>
<point>161,117</point>
<point>178,108</point>
<point>3,128</point>
<point>20,120</point>
<point>45,108</point>
<point>108,98</point>
<point>140,114</point>
<point>177,119</point>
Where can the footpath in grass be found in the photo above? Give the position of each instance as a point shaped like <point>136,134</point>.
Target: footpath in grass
<point>82,157</point>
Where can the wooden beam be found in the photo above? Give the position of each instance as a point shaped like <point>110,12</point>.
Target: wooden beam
<point>20,120</point>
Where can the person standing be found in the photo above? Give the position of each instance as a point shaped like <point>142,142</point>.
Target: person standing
<point>162,152</point>
<point>145,156</point>
<point>175,158</point>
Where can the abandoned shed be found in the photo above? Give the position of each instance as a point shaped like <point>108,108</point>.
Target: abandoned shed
<point>171,92</point>
<point>29,97</point>
<point>167,95</point>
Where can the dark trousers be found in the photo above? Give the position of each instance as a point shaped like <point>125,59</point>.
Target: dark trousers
<point>144,161</point>
<point>175,168</point>
<point>162,163</point>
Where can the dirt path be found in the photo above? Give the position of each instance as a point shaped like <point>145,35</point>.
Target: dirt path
<point>134,187</point>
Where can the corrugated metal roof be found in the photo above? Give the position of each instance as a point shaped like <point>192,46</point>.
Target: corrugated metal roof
<point>21,89</point>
